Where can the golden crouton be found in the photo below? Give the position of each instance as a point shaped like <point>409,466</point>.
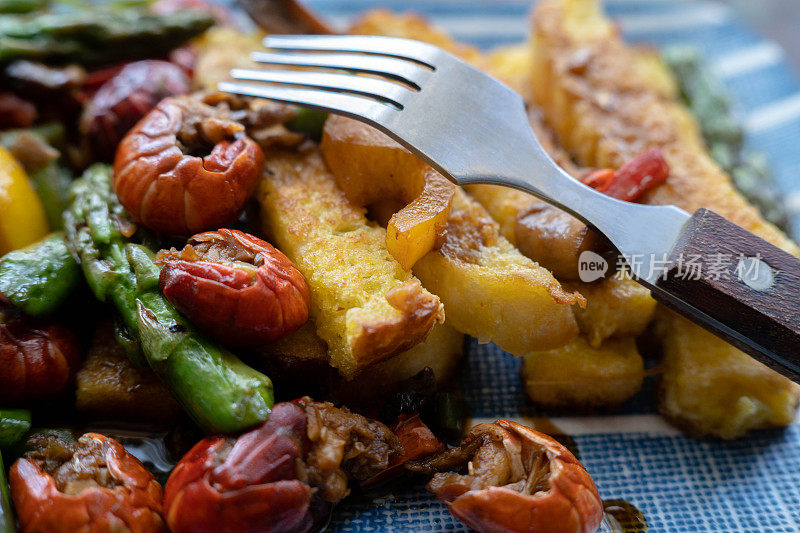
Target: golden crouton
<point>511,65</point>
<point>710,387</point>
<point>578,375</point>
<point>413,26</point>
<point>297,362</point>
<point>366,307</point>
<point>615,307</point>
<point>221,49</point>
<point>109,385</point>
<point>441,352</point>
<point>490,290</point>
<point>300,360</point>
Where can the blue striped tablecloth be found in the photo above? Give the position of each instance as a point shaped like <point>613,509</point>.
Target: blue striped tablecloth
<point>680,484</point>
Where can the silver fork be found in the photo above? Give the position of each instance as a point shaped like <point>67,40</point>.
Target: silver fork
<point>473,129</point>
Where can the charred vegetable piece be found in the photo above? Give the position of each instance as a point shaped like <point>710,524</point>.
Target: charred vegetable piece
<point>186,167</point>
<point>38,358</point>
<point>309,122</point>
<point>219,392</point>
<point>39,279</point>
<point>516,479</point>
<point>14,424</point>
<point>93,36</point>
<point>110,387</point>
<point>412,396</point>
<point>91,485</point>
<point>449,413</point>
<point>7,521</point>
<point>236,287</point>
<point>279,477</point>
<point>633,179</point>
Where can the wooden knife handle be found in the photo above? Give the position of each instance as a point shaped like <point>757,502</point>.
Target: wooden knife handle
<point>739,286</point>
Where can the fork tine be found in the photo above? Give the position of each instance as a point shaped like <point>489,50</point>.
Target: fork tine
<point>332,102</point>
<point>375,88</point>
<point>397,69</point>
<point>368,44</point>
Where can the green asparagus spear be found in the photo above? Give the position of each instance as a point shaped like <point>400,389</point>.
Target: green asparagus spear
<point>52,184</point>
<point>38,279</point>
<point>93,36</point>
<point>308,121</point>
<point>449,413</point>
<point>7,523</point>
<point>14,424</point>
<point>221,393</point>
<point>21,6</point>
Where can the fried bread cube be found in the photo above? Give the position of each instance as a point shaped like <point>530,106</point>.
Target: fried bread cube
<point>711,388</point>
<point>441,352</point>
<point>301,358</point>
<point>413,26</point>
<point>221,49</point>
<point>490,290</point>
<point>108,384</point>
<point>606,108</point>
<point>581,376</point>
<point>615,307</point>
<point>511,65</point>
<point>365,306</point>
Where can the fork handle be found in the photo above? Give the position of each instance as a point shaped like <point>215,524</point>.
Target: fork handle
<point>754,304</point>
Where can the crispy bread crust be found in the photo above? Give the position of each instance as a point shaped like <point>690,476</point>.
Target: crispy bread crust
<point>595,96</point>
<point>366,307</point>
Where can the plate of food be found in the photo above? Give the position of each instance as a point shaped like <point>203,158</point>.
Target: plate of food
<point>223,313</point>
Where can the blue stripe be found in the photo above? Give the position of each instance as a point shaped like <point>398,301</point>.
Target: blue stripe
<point>757,89</point>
